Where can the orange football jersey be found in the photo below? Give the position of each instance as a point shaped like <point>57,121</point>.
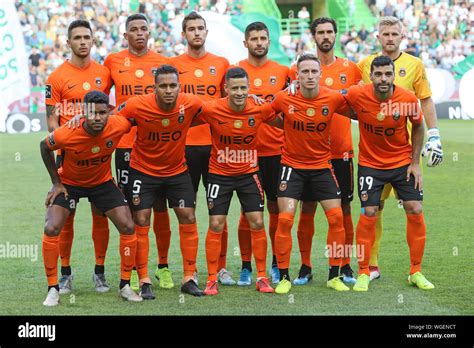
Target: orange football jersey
<point>306,126</point>
<point>234,145</point>
<point>265,81</point>
<point>132,76</point>
<point>205,78</point>
<point>339,75</point>
<point>67,85</point>
<point>87,158</point>
<point>384,137</point>
<point>158,149</point>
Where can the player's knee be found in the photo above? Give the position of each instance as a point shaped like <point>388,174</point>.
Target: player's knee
<point>371,211</point>
<point>51,230</point>
<point>142,220</point>
<point>414,208</point>
<point>256,224</point>
<point>216,225</point>
<point>128,227</point>
<point>187,218</point>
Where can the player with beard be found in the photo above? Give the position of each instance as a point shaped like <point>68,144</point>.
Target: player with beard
<point>266,78</point>
<point>337,73</point>
<point>203,74</point>
<point>132,72</point>
<point>65,89</point>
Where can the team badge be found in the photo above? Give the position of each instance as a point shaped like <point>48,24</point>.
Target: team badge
<point>310,112</point>
<point>346,62</point>
<point>139,73</point>
<point>95,149</point>
<point>402,72</point>
<point>48,93</point>
<point>198,73</point>
<point>329,81</point>
<point>210,204</point>
<point>51,139</point>
<point>396,115</point>
<point>364,196</point>
<point>181,118</point>
<point>283,186</point>
<point>109,144</point>
<point>136,199</point>
<point>121,106</point>
<point>273,80</point>
<point>153,71</point>
<point>325,110</point>
<point>343,78</point>
<point>238,124</point>
<point>251,121</point>
<point>257,82</point>
<point>165,122</point>
<point>98,81</point>
<point>126,62</point>
<point>86,86</point>
<point>212,70</point>
<point>380,116</point>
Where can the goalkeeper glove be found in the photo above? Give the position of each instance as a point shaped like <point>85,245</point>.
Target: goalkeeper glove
<point>433,150</point>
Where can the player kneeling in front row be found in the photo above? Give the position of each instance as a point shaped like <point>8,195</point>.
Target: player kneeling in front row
<point>386,156</point>
<point>86,172</point>
<point>233,166</point>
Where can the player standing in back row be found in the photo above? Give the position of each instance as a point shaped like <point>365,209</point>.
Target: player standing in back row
<point>65,90</point>
<point>203,74</point>
<point>266,78</point>
<point>132,71</point>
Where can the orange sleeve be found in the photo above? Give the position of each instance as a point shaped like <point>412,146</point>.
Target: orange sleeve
<point>227,66</point>
<point>202,117</point>
<point>268,113</point>
<point>340,103</point>
<point>126,109</point>
<point>277,102</point>
<point>55,140</point>
<point>352,95</point>
<point>109,84</point>
<point>124,124</point>
<point>53,91</point>
<point>357,75</point>
<point>108,62</point>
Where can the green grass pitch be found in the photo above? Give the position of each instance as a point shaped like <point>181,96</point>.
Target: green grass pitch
<point>449,192</point>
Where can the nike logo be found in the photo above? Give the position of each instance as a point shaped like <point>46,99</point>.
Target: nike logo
<point>261,205</point>
<point>182,72</point>
<point>69,86</point>
<point>363,110</point>
<point>219,122</point>
<point>122,71</point>
<point>77,152</point>
<point>338,192</point>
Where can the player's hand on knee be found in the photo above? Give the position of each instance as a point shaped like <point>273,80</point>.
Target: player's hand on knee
<point>74,122</point>
<point>433,150</point>
<point>415,170</point>
<point>56,190</point>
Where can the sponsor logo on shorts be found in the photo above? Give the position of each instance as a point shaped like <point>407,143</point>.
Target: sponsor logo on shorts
<point>364,196</point>
<point>210,205</point>
<point>283,186</point>
<point>136,199</point>
<point>109,144</point>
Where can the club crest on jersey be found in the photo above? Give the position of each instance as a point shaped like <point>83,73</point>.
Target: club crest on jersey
<point>95,149</point>
<point>329,81</point>
<point>346,62</point>
<point>98,81</point>
<point>121,106</point>
<point>257,82</point>
<point>310,112</point>
<point>380,116</point>
<point>402,72</point>
<point>364,196</point>
<point>165,122</point>
<point>251,121</point>
<point>343,78</point>
<point>283,186</point>
<point>396,115</point>
<point>48,93</point>
<point>273,80</point>
<point>86,86</point>
<point>325,110</point>
<point>109,144</point>
<point>181,117</point>
<point>198,73</point>
<point>136,199</point>
<point>153,71</point>
<point>212,70</point>
<point>238,124</point>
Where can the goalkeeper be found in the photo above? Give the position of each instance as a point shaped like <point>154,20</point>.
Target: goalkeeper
<point>410,74</point>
